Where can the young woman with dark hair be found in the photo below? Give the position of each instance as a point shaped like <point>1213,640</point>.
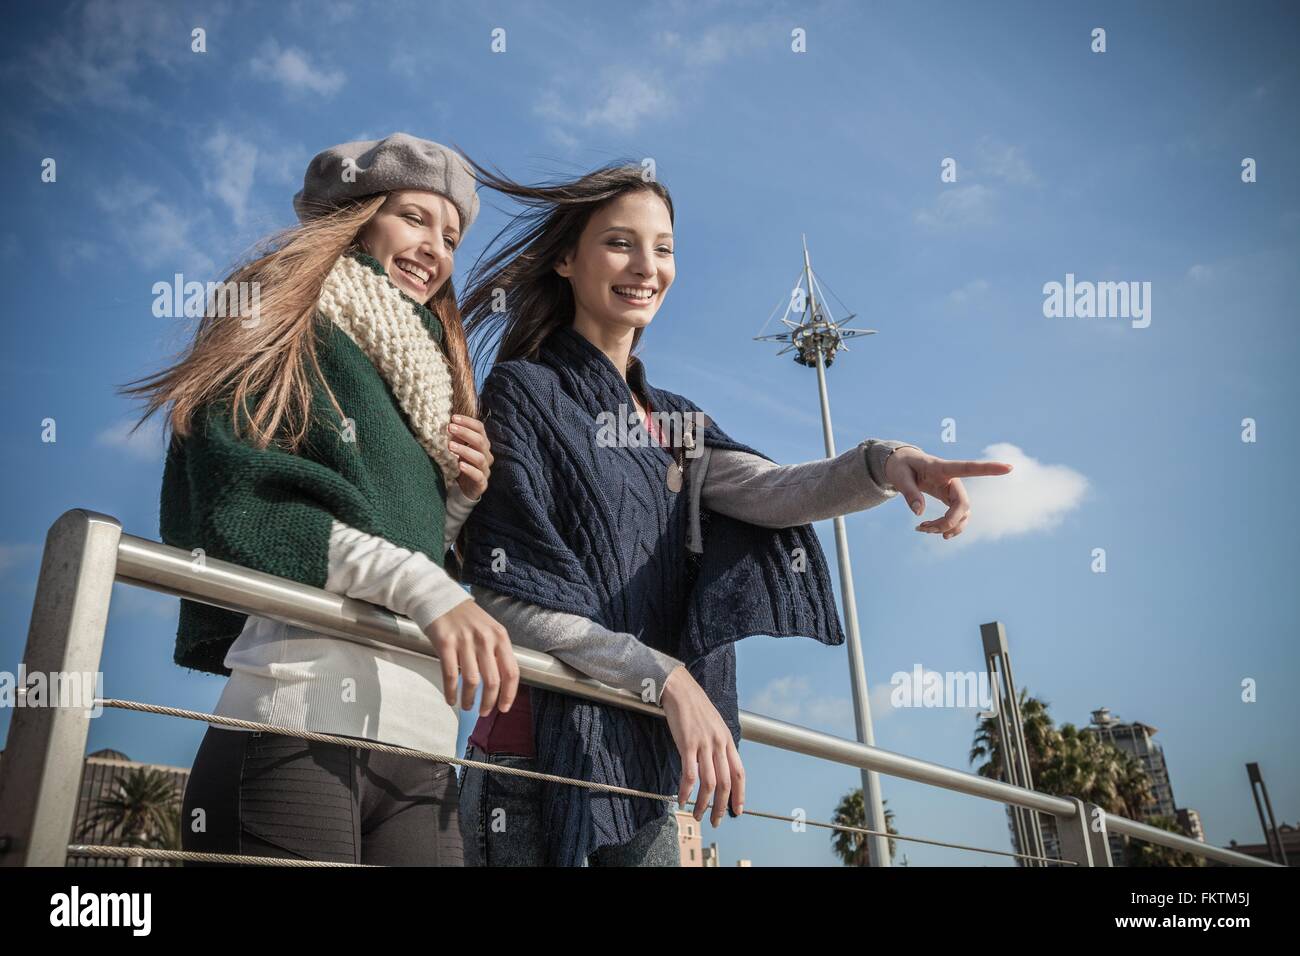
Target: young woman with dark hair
<point>636,555</point>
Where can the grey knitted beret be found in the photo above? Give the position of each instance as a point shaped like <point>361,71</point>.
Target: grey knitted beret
<point>399,161</point>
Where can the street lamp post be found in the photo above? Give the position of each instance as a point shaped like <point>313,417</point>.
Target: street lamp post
<point>815,341</point>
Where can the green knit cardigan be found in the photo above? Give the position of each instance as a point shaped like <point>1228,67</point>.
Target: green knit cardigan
<point>273,511</point>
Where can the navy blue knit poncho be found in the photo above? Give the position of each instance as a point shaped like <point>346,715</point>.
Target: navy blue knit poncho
<point>573,526</point>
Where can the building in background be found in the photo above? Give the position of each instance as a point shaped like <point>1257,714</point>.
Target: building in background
<point>1135,738</point>
<point>690,839</point>
<point>1290,837</point>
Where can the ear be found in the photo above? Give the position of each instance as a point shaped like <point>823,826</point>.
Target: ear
<point>564,265</point>
<point>359,240</point>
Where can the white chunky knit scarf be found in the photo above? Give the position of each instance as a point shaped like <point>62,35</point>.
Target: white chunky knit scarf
<point>385,324</point>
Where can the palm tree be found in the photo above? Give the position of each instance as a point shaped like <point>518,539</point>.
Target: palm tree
<point>1040,739</point>
<point>854,848</point>
<point>141,808</point>
<point>1135,787</point>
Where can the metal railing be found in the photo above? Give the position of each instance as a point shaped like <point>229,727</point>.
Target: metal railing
<point>86,553</point>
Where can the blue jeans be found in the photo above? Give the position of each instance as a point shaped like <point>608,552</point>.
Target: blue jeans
<point>501,825</point>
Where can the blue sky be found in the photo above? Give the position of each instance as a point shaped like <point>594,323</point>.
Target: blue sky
<point>1115,166</point>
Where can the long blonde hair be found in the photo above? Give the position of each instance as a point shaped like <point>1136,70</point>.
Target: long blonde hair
<point>275,357</point>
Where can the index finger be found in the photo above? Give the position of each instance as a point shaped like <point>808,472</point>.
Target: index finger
<point>973,469</point>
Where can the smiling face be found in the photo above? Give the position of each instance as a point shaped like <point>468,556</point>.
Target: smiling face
<point>623,264</point>
<point>414,236</point>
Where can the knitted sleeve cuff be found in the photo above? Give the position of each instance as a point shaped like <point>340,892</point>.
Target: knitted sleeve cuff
<point>877,452</point>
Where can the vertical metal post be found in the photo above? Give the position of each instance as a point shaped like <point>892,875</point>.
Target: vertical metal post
<point>871,800</point>
<point>1276,851</point>
<point>1010,727</point>
<point>1011,736</point>
<point>46,746</point>
<point>1010,764</point>
<point>1018,725</point>
<point>1084,838</point>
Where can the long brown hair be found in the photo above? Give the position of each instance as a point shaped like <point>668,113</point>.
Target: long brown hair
<point>521,274</point>
<point>274,359</point>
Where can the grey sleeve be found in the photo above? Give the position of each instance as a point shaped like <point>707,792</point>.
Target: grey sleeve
<point>759,491</point>
<point>610,657</point>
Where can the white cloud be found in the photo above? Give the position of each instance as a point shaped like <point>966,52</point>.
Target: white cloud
<point>76,254</point>
<point>793,699</point>
<point>720,43</point>
<point>1003,161</point>
<point>100,47</point>
<point>291,68</point>
<point>625,95</point>
<point>958,207</point>
<point>620,100</point>
<point>1033,497</point>
<point>231,161</point>
<point>283,164</point>
<point>567,140</point>
<point>781,698</point>
<point>1200,272</point>
<point>145,444</point>
<point>153,232</point>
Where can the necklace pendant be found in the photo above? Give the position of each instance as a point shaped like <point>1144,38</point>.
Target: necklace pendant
<point>674,477</point>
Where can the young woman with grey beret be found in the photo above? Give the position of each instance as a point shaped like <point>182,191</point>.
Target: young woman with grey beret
<point>332,439</point>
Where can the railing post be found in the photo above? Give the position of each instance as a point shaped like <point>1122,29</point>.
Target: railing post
<point>46,748</point>
<point>1084,838</point>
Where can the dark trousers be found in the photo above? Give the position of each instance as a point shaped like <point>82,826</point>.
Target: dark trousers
<point>272,795</point>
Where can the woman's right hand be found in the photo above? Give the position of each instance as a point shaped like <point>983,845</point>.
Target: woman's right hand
<point>704,742</point>
<point>469,642</point>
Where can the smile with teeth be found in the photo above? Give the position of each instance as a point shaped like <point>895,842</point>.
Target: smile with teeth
<point>418,273</point>
<point>635,293</point>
